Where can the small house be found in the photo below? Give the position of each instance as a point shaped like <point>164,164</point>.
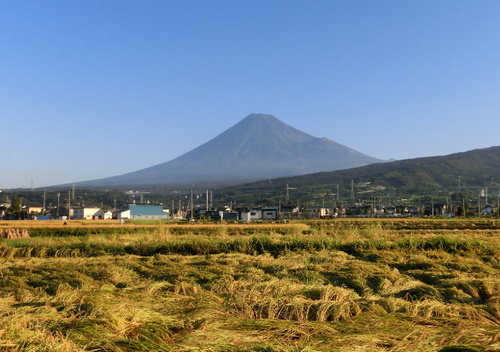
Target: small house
<point>245,216</point>
<point>487,209</point>
<point>107,214</point>
<point>270,213</point>
<point>256,214</point>
<point>230,215</point>
<point>214,214</point>
<point>34,210</point>
<point>87,213</point>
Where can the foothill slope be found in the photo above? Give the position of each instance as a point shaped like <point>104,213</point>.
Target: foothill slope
<point>476,168</point>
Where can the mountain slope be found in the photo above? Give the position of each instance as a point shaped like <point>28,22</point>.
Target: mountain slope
<point>476,168</point>
<point>259,146</point>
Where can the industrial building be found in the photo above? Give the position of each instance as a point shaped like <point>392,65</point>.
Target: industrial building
<point>142,212</point>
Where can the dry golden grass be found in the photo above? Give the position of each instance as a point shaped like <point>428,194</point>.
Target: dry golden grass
<point>318,286</point>
<point>152,223</point>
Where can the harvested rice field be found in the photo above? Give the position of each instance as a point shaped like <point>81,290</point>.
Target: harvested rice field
<point>336,285</point>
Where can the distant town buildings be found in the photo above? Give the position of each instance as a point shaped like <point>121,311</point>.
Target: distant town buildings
<point>151,211</point>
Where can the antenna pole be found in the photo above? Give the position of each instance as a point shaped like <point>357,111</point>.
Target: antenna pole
<point>192,215</point>
<point>478,205</point>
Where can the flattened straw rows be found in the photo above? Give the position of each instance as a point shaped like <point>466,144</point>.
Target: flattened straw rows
<point>30,252</point>
<point>298,309</point>
<point>12,234</point>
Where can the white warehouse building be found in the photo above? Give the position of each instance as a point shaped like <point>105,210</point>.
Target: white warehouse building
<point>87,213</point>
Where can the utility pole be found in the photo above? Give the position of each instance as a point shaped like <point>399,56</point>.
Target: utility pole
<point>337,192</point>
<point>58,195</point>
<point>207,201</point>
<point>288,192</point>
<point>192,215</point>
<point>478,205</point>
<point>73,191</point>
<point>69,204</point>
<point>43,209</point>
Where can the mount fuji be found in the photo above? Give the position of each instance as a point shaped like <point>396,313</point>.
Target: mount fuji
<point>258,147</point>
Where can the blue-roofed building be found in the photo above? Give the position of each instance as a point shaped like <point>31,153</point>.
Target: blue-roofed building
<point>142,212</point>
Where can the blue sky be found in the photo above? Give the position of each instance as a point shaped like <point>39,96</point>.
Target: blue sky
<point>90,89</point>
